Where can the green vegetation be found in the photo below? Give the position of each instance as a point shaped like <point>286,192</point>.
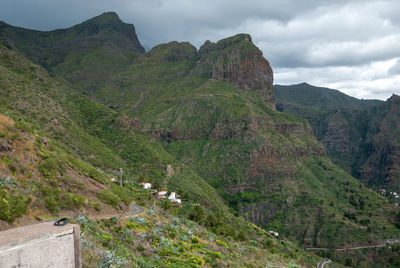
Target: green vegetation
<point>157,238</point>
<point>361,136</point>
<point>231,156</point>
<point>12,206</point>
<point>109,197</point>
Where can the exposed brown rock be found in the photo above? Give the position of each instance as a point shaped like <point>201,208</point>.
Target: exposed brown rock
<point>238,61</point>
<point>5,147</point>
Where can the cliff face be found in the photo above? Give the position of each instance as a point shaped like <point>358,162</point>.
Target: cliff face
<point>362,136</point>
<point>238,61</point>
<point>378,162</point>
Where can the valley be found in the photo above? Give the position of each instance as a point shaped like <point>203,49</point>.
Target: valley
<point>79,104</point>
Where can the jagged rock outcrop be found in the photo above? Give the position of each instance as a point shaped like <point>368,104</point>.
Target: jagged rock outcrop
<point>238,61</point>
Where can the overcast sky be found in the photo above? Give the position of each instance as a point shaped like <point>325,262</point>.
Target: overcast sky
<point>353,46</point>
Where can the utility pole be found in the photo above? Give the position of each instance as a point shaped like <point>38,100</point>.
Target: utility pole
<point>120,176</point>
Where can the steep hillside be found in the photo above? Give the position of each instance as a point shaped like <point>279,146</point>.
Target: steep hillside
<point>99,139</point>
<point>266,164</point>
<point>359,135</point>
<point>378,159</point>
<point>58,151</point>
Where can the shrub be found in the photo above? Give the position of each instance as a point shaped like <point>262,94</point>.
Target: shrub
<point>121,193</point>
<point>19,206</point>
<point>4,209</point>
<point>197,214</point>
<point>166,204</point>
<point>221,243</point>
<point>12,206</point>
<point>95,205</point>
<point>108,197</point>
<point>51,204</point>
<point>137,219</point>
<point>79,200</point>
<point>49,167</point>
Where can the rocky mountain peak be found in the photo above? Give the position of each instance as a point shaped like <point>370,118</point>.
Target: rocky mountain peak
<point>173,51</point>
<point>394,99</point>
<point>108,23</point>
<point>238,61</point>
<point>106,18</point>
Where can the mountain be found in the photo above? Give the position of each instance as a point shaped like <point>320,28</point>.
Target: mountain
<point>211,114</point>
<point>317,97</point>
<point>359,135</point>
<point>91,51</point>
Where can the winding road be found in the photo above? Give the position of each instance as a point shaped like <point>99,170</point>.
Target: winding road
<point>322,263</point>
<point>384,243</point>
<point>133,210</point>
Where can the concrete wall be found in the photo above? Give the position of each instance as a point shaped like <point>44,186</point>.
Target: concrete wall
<point>41,245</point>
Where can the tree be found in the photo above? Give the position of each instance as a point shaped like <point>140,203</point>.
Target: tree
<point>197,214</point>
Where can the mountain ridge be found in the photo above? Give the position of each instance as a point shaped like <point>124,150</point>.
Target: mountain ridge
<point>359,135</point>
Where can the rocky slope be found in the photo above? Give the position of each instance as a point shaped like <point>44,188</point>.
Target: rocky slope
<point>213,111</point>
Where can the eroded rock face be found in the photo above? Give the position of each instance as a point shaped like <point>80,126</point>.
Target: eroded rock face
<point>238,61</point>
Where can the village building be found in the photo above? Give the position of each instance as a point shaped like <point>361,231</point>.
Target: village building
<point>145,185</point>
<point>276,234</point>
<point>162,194</point>
<point>173,198</point>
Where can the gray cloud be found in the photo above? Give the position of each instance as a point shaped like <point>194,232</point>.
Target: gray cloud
<point>343,43</point>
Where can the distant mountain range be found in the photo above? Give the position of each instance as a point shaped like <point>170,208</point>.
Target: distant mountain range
<point>361,136</point>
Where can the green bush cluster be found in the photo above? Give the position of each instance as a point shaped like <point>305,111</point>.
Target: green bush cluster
<point>13,206</point>
<point>108,197</point>
<point>122,194</point>
<point>51,166</point>
<point>55,199</point>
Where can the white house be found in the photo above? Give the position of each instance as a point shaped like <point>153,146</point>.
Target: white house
<point>177,200</point>
<point>162,194</point>
<point>173,198</point>
<point>145,185</point>
<point>274,233</point>
<point>113,179</point>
